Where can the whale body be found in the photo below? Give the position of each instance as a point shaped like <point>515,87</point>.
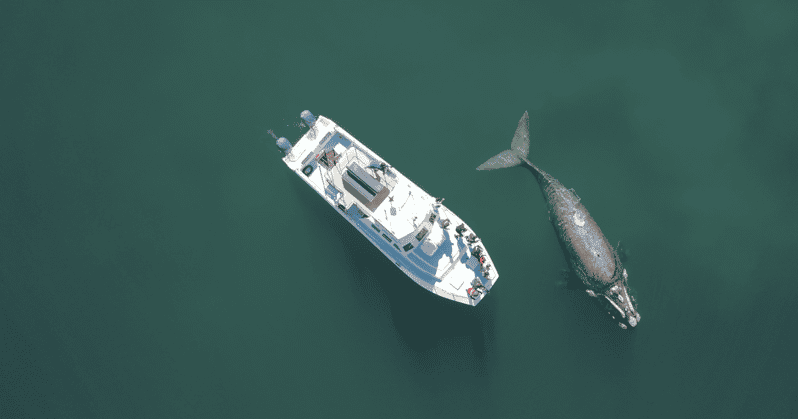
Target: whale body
<point>590,256</point>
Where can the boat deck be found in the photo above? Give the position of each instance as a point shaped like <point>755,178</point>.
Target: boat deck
<point>397,216</point>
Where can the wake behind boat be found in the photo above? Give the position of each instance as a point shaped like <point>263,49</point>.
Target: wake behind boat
<point>410,227</point>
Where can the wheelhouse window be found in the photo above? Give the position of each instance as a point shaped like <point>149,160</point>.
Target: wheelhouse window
<point>421,234</point>
<point>387,238</point>
<point>407,247</point>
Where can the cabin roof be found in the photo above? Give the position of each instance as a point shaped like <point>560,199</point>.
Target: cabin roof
<point>405,209</point>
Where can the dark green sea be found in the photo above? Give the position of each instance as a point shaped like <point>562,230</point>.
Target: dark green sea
<point>159,260</point>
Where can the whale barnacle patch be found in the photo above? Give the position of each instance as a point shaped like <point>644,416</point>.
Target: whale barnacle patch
<point>579,218</point>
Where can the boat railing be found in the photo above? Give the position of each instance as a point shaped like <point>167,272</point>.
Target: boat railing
<point>435,289</point>
<point>455,297</point>
<point>365,159</point>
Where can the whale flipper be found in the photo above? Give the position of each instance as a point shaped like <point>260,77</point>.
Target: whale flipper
<point>623,253</point>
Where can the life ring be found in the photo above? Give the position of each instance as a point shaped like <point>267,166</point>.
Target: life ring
<point>307,170</point>
<point>473,293</point>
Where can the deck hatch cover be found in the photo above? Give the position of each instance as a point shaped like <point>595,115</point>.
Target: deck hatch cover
<point>359,175</point>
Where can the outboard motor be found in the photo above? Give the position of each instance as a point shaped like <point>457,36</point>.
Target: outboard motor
<point>308,118</point>
<point>284,145</point>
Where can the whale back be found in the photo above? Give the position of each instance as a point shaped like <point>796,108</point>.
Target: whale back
<point>587,251</point>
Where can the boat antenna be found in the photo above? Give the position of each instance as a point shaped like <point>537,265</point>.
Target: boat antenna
<point>408,198</point>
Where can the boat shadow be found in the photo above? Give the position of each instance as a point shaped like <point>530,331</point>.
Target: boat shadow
<point>434,332</point>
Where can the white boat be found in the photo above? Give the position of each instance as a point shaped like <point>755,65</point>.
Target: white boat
<point>425,239</point>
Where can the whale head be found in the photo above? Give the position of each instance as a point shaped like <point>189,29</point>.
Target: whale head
<point>618,303</point>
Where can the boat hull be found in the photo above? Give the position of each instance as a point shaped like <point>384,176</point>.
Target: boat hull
<point>447,268</point>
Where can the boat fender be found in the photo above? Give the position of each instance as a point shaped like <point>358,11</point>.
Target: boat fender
<point>307,170</point>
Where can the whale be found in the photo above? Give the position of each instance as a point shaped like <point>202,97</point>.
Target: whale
<point>590,257</point>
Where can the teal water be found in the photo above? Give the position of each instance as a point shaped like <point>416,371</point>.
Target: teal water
<point>157,258</point>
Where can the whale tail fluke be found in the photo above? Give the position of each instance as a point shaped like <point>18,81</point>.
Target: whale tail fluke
<point>506,158</point>
<point>521,138</point>
<point>519,149</point>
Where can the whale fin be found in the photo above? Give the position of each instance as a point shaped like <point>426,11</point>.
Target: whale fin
<point>519,149</point>
<point>506,158</point>
<point>623,254</point>
<point>521,138</point>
